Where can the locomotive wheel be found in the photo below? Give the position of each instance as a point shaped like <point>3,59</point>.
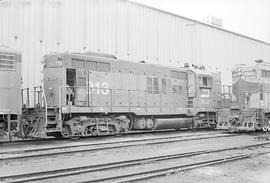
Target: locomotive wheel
<point>88,131</point>
<point>266,128</point>
<point>139,124</point>
<point>149,124</point>
<point>2,128</point>
<point>66,131</point>
<point>111,130</point>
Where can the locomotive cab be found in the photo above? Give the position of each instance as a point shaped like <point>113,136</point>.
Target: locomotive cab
<point>204,96</point>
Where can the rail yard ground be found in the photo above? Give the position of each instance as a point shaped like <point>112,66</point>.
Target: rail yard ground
<point>188,156</point>
<point>253,170</point>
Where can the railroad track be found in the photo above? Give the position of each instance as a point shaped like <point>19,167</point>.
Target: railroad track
<point>51,139</point>
<point>141,175</point>
<point>61,150</point>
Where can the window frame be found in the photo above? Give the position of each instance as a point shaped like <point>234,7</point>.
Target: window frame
<point>8,62</point>
<point>75,61</point>
<point>104,70</point>
<point>204,80</point>
<point>156,85</point>
<point>87,65</point>
<point>149,85</point>
<point>163,85</point>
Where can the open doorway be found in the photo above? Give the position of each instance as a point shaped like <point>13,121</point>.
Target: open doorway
<point>71,83</point>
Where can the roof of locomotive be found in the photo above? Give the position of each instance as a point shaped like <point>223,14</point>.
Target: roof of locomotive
<point>9,51</point>
<point>94,56</point>
<point>201,71</point>
<point>110,59</point>
<point>261,65</point>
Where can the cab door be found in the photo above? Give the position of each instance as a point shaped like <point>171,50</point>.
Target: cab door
<point>71,84</point>
<point>81,87</point>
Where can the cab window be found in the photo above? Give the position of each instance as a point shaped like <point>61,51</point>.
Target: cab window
<point>78,63</point>
<point>91,65</point>
<point>265,74</point>
<point>103,67</point>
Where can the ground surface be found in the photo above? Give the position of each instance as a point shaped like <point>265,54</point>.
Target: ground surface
<point>253,170</point>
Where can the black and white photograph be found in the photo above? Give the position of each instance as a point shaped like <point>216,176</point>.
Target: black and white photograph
<point>145,91</point>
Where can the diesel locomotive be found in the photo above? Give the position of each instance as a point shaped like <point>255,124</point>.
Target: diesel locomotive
<point>249,110</point>
<point>96,94</point>
<point>10,90</point>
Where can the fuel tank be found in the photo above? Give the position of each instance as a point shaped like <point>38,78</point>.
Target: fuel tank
<point>172,123</point>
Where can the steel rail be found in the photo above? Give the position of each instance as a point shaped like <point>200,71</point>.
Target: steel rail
<point>102,143</point>
<point>131,133</point>
<point>176,169</point>
<point>43,175</point>
<point>122,144</point>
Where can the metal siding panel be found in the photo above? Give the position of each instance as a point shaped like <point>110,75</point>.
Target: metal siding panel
<point>129,31</point>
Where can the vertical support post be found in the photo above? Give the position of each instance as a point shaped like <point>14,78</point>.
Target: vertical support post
<point>40,96</point>
<point>8,116</point>
<point>267,102</point>
<point>34,96</point>
<point>28,102</point>
<point>128,100</point>
<point>207,115</point>
<point>107,126</point>
<point>145,98</point>
<point>91,96</point>
<point>174,102</point>
<point>88,94</point>
<point>160,101</point>
<point>60,103</point>
<point>111,107</point>
<point>8,120</point>
<point>229,91</point>
<point>246,100</point>
<point>223,93</point>
<point>22,96</point>
<point>97,127</point>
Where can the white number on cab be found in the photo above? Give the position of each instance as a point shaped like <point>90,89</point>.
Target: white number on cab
<point>100,88</point>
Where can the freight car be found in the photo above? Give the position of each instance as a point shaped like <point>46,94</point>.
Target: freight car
<point>250,105</point>
<point>94,94</point>
<point>10,91</point>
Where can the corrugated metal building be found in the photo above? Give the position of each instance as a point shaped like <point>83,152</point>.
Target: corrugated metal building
<point>126,29</point>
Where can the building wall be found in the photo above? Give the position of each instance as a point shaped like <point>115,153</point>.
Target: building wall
<point>130,31</point>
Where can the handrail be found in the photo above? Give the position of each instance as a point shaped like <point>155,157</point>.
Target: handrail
<point>45,103</point>
<point>88,95</point>
<point>60,100</point>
